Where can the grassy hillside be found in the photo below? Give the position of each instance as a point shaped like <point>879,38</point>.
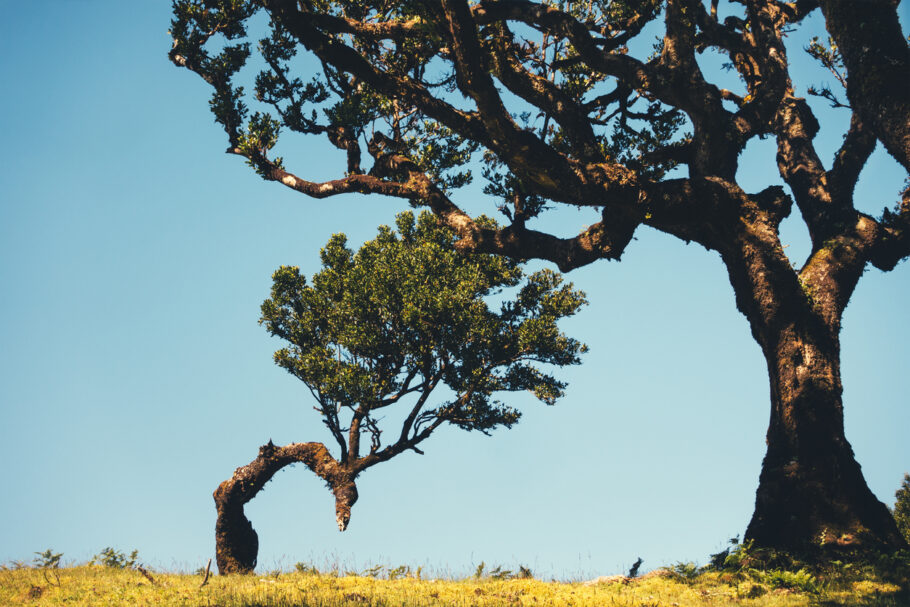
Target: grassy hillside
<point>680,586</point>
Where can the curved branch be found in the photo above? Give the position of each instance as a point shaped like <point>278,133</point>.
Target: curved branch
<point>236,543</point>
<point>859,142</point>
<point>877,59</point>
<point>300,25</point>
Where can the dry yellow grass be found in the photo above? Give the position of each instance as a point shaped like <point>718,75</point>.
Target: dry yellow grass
<point>101,586</point>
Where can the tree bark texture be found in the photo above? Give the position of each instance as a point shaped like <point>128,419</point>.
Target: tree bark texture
<point>812,498</point>
<point>877,59</point>
<point>236,542</point>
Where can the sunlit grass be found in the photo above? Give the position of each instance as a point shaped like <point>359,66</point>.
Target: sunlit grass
<point>97,585</point>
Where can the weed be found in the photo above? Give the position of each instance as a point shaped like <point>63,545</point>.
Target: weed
<point>633,571</point>
<point>794,580</point>
<point>48,560</point>
<point>901,509</point>
<point>306,568</point>
<point>399,572</point>
<point>115,559</point>
<point>478,573</point>
<point>686,572</point>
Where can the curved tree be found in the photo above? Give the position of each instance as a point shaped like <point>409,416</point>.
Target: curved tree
<point>386,327</point>
<point>564,112</point>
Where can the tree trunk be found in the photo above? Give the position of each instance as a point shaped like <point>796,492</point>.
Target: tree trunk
<point>812,498</point>
<point>236,542</point>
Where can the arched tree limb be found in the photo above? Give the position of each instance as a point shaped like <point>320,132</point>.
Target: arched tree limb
<point>236,542</point>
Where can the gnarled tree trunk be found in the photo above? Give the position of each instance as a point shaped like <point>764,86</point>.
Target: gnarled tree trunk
<point>236,542</point>
<point>812,497</point>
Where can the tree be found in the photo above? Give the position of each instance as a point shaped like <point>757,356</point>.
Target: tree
<point>386,327</point>
<point>563,113</point>
<point>902,507</point>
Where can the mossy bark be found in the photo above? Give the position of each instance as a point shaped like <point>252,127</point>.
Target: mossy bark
<point>236,542</point>
<point>812,498</point>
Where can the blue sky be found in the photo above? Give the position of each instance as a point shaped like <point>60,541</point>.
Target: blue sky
<point>134,378</point>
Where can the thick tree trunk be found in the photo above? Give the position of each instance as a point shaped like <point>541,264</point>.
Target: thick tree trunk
<point>812,498</point>
<point>236,542</point>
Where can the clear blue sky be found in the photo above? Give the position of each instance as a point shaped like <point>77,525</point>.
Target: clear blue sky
<point>134,378</point>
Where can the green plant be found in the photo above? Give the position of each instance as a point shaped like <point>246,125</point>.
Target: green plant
<point>115,559</point>
<point>901,509</point>
<point>478,573</point>
<point>801,580</point>
<point>685,571</point>
<point>48,559</point>
<point>374,571</point>
<point>399,572</point>
<point>306,568</point>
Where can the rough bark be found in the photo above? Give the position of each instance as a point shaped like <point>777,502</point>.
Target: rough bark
<point>877,59</point>
<point>236,542</point>
<point>812,497</point>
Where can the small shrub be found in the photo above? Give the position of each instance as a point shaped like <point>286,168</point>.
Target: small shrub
<point>115,559</point>
<point>685,571</point>
<point>48,559</point>
<point>902,508</point>
<point>399,572</point>
<point>373,572</point>
<point>306,568</point>
<point>750,590</point>
<point>501,574</point>
<point>794,580</point>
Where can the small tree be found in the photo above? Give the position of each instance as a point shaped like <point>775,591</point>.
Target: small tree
<point>902,508</point>
<point>387,326</point>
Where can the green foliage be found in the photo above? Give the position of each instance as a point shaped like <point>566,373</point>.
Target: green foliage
<point>406,313</point>
<point>115,559</point>
<point>48,559</point>
<point>499,574</point>
<point>901,509</point>
<point>685,571</point>
<point>306,568</point>
<point>478,573</point>
<point>801,580</point>
<point>830,57</point>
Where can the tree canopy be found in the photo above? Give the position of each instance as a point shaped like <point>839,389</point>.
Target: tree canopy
<point>406,314</point>
<point>560,105</point>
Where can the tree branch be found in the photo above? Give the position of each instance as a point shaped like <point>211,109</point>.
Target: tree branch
<point>859,142</point>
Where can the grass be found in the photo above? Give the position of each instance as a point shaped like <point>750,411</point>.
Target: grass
<point>680,586</point>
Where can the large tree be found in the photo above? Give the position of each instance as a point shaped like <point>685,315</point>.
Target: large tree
<point>404,323</point>
<point>563,112</point>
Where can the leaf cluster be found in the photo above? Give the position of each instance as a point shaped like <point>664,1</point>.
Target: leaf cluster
<point>901,509</point>
<point>406,313</point>
<point>109,557</point>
